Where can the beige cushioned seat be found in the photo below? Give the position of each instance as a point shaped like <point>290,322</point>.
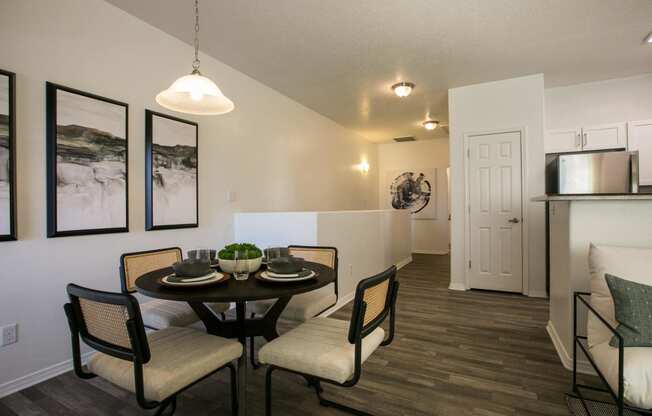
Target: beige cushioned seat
<point>179,357</point>
<point>304,306</point>
<point>632,264</point>
<point>161,314</point>
<point>319,347</point>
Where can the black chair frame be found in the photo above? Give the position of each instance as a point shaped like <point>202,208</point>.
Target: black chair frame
<point>138,354</point>
<point>252,353</point>
<point>357,332</point>
<point>579,341</point>
<point>123,276</point>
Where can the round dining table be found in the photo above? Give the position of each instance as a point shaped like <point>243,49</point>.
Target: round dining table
<point>239,292</point>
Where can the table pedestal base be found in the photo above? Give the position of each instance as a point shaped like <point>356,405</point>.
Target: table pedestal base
<point>242,328</point>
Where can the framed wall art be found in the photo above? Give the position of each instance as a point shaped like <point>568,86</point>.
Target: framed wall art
<point>171,172</point>
<point>414,190</point>
<point>87,169</point>
<point>7,156</point>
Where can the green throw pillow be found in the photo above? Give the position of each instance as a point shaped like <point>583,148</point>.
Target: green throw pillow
<point>633,304</point>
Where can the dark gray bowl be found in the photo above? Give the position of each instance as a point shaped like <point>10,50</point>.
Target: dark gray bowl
<point>189,268</point>
<point>286,265</point>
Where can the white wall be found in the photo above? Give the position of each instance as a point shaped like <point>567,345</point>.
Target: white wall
<point>428,236</point>
<point>368,242</point>
<point>573,227</point>
<point>510,104</point>
<point>275,153</point>
<point>611,101</point>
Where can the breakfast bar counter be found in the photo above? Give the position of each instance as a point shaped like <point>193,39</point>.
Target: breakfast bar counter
<point>576,222</point>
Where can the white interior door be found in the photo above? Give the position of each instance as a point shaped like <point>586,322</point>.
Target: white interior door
<point>495,212</point>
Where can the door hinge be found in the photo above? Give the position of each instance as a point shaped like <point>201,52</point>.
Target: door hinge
<point>469,264</point>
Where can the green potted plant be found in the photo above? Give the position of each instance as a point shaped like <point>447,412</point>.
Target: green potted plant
<point>226,256</point>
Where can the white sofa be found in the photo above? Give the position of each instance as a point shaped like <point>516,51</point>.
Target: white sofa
<point>633,264</point>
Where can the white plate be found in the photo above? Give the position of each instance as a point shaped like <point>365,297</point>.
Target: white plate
<point>210,278</point>
<point>266,276</point>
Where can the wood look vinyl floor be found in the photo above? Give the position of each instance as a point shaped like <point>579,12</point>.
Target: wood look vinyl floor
<point>455,353</point>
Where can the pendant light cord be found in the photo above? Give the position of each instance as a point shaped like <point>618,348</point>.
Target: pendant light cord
<point>195,63</point>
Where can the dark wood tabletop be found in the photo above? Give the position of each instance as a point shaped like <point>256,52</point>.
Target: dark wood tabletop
<point>232,290</point>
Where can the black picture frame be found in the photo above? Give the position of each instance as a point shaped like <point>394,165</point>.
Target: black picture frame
<point>150,221</point>
<point>11,83</point>
<point>52,90</point>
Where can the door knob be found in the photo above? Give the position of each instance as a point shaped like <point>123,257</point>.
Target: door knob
<point>514,220</point>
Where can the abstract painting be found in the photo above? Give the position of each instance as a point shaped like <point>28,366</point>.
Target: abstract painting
<point>7,156</point>
<point>87,138</point>
<point>412,190</point>
<point>171,172</point>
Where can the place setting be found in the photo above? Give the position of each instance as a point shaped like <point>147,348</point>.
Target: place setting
<point>199,269</point>
<point>281,267</point>
<point>204,267</point>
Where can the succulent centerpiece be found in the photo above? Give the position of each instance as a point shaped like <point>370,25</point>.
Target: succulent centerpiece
<point>247,251</point>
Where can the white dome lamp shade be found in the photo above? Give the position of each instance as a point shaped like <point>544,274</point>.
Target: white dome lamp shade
<point>195,93</point>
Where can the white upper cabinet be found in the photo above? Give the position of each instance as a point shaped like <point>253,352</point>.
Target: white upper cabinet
<point>639,135</point>
<point>600,137</point>
<point>564,140</point>
<point>604,136</point>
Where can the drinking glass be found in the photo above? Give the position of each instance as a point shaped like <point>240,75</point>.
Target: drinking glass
<point>241,258</point>
<point>272,253</point>
<point>202,255</point>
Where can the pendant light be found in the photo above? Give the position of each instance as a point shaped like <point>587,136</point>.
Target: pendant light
<point>194,93</point>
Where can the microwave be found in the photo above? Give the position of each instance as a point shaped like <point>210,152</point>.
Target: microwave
<point>589,173</point>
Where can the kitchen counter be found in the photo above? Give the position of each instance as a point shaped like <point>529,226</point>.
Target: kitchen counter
<point>594,197</point>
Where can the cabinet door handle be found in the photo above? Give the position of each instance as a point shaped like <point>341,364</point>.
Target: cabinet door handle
<point>585,140</point>
<point>578,140</point>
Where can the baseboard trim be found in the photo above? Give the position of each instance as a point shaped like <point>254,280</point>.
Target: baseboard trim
<point>343,300</point>
<point>583,366</point>
<point>436,252</point>
<point>39,376</point>
<point>537,294</point>
<point>457,286</point>
<point>403,263</point>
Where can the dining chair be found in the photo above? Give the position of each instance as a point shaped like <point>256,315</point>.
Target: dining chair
<point>155,366</point>
<point>157,313</point>
<point>331,350</point>
<point>307,305</point>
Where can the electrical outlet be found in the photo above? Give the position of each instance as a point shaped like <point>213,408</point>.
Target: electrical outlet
<point>9,334</point>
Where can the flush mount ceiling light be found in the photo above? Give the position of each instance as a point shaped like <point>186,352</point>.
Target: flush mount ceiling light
<point>194,93</point>
<point>403,89</point>
<point>430,124</point>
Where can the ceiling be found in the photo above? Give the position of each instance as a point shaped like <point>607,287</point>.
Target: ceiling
<point>340,57</point>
